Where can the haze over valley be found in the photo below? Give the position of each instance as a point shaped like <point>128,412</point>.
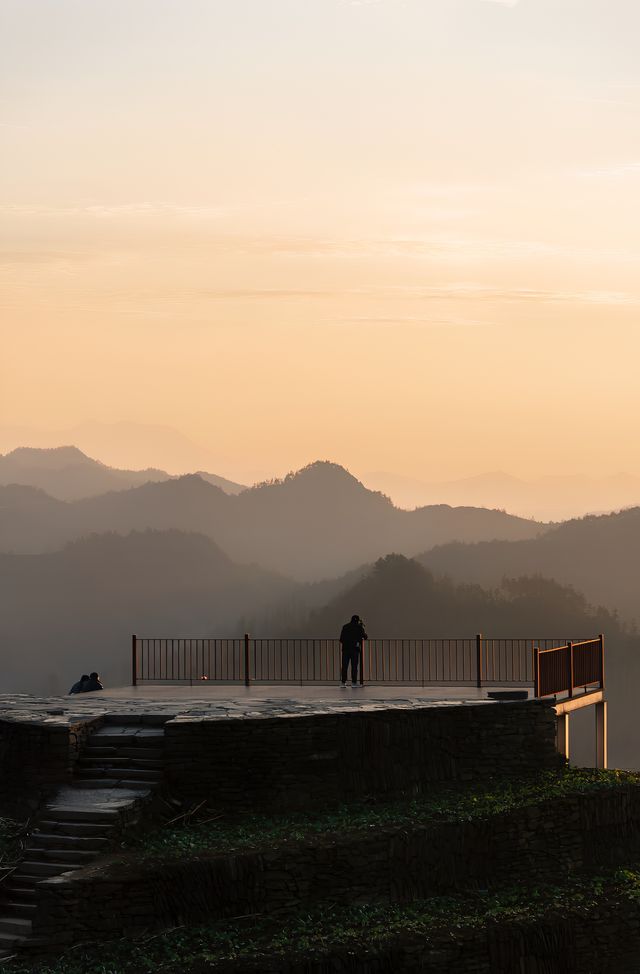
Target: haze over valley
<point>122,551</point>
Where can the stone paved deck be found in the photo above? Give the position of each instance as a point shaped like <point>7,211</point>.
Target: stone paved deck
<point>223,702</point>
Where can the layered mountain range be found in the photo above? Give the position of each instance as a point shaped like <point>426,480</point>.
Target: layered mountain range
<point>318,522</point>
<point>68,474</point>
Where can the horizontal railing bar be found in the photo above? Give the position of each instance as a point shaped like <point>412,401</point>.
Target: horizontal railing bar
<point>507,639</point>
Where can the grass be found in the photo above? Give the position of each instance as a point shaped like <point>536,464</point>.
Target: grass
<point>446,805</point>
<point>360,929</point>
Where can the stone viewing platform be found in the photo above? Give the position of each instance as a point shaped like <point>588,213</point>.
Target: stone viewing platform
<point>229,701</point>
<point>277,747</point>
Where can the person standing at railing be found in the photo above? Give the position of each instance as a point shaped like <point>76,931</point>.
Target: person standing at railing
<point>351,639</point>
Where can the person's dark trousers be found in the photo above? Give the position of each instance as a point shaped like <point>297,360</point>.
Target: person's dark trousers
<point>350,656</point>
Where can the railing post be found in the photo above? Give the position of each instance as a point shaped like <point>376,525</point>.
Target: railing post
<point>570,682</point>
<point>247,680</point>
<point>601,641</point>
<point>536,671</point>
<point>134,661</point>
<point>479,660</point>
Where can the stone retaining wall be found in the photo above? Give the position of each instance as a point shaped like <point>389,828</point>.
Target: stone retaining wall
<point>36,757</point>
<point>539,844</point>
<point>292,762</point>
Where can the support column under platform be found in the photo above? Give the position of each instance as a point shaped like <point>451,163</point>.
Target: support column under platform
<point>601,735</point>
<point>562,734</point>
<point>564,709</point>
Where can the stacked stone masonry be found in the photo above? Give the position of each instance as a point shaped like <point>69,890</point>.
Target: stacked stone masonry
<point>300,762</point>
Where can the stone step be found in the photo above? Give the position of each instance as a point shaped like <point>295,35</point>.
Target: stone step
<point>20,892</point>
<point>141,774</point>
<point>147,764</point>
<point>110,735</point>
<point>112,760</point>
<point>76,856</point>
<point>15,926</point>
<point>140,787</point>
<point>112,739</point>
<point>100,751</point>
<point>86,763</point>
<point>14,909</point>
<point>43,869</point>
<point>82,813</point>
<point>145,787</point>
<point>130,774</point>
<point>96,783</point>
<point>141,753</point>
<point>144,720</point>
<point>26,882</point>
<point>77,830</point>
<point>44,840</point>
<point>7,942</point>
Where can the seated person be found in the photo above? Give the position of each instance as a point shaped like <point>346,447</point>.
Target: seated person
<point>92,683</point>
<point>77,687</point>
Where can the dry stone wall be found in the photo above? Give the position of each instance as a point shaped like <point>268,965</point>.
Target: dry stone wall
<point>293,762</point>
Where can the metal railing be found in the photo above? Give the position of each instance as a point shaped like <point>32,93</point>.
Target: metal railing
<point>573,666</point>
<point>549,665</point>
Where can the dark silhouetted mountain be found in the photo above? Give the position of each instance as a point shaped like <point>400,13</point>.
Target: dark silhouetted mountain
<point>68,474</point>
<point>597,555</point>
<point>75,609</point>
<point>400,597</point>
<point>317,523</point>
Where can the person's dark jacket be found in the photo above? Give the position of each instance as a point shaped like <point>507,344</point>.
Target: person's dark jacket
<point>78,687</point>
<point>91,684</point>
<point>352,635</point>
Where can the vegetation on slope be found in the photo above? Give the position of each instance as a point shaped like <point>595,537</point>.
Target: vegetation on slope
<point>363,929</point>
<point>445,805</point>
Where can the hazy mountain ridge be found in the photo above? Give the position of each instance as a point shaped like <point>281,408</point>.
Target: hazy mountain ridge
<point>75,609</point>
<point>67,473</point>
<point>548,498</point>
<point>121,445</point>
<point>597,555</point>
<point>400,596</point>
<point>316,523</point>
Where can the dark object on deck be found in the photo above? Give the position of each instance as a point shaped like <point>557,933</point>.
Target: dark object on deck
<point>92,683</point>
<point>508,694</point>
<point>77,687</point>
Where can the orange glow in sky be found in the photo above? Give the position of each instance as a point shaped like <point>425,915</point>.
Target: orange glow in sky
<point>402,235</point>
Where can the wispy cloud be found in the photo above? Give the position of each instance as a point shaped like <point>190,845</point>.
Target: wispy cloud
<point>457,291</point>
<point>617,171</point>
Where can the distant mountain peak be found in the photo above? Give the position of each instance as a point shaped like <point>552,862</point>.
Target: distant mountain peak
<point>53,458</point>
<point>323,470</point>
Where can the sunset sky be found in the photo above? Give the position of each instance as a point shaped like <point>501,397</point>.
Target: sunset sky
<point>399,234</point>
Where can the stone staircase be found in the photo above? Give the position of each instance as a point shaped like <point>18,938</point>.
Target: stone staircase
<point>119,769</point>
